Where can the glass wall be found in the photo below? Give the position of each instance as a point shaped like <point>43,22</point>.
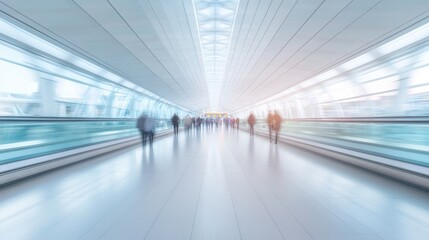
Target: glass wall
<point>392,80</point>
<point>34,83</point>
<point>375,104</point>
<point>52,100</point>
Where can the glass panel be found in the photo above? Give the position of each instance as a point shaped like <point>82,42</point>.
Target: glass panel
<point>420,76</point>
<point>32,84</point>
<point>15,79</point>
<point>28,138</point>
<point>377,136</point>
<point>374,84</point>
<point>383,85</point>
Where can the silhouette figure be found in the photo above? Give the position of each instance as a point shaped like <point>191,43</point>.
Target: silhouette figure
<point>251,121</point>
<point>270,123</point>
<point>149,128</point>
<point>276,124</point>
<point>141,127</point>
<point>175,121</point>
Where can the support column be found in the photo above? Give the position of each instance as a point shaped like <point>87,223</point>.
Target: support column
<point>49,107</point>
<point>398,107</point>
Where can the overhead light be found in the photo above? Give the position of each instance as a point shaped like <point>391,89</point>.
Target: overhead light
<point>405,40</point>
<point>357,62</point>
<point>215,20</point>
<point>29,39</point>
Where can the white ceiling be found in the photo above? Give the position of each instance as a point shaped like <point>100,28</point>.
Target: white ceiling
<point>275,44</point>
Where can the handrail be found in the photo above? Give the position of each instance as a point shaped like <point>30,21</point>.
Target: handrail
<point>403,120</point>
<point>397,119</point>
<point>69,119</point>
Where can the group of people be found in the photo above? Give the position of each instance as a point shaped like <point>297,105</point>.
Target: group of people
<point>146,126</point>
<point>232,122</point>
<point>274,122</point>
<point>188,122</point>
<point>197,122</point>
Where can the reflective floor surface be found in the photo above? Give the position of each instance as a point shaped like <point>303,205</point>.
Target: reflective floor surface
<point>212,184</point>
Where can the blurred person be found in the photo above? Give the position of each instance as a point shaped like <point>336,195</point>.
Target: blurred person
<point>188,122</point>
<point>149,128</point>
<point>276,124</point>
<point>237,122</point>
<point>175,121</point>
<point>198,122</point>
<point>141,127</point>
<point>270,123</point>
<point>207,122</point>
<point>251,121</point>
<point>232,122</point>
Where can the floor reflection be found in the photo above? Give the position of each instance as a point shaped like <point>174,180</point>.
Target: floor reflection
<point>215,173</point>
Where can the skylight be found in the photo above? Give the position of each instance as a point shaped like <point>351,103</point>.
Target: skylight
<point>215,20</point>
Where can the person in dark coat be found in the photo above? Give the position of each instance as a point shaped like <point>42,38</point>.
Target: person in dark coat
<point>175,121</point>
<point>141,127</point>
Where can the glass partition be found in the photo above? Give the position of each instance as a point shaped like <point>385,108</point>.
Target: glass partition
<point>26,138</point>
<point>52,100</point>
<point>383,82</point>
<point>404,139</point>
<point>376,103</point>
<point>50,82</point>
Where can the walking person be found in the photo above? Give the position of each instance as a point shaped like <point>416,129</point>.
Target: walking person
<point>141,127</point>
<point>276,123</point>
<point>175,121</point>
<point>251,121</point>
<point>270,123</point>
<point>188,123</point>
<point>149,127</point>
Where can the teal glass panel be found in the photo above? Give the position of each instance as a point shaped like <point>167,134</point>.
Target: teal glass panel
<point>404,139</point>
<point>24,138</point>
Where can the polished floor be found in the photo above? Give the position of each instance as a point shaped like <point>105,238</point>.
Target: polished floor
<point>212,184</point>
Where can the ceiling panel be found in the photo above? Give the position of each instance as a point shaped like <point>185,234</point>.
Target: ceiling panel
<point>274,45</point>
<point>314,41</point>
